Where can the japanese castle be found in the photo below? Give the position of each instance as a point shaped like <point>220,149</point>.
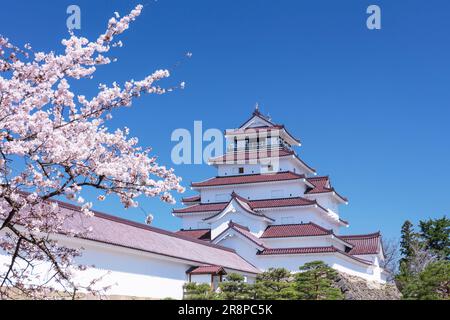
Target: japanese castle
<point>272,208</point>
<point>265,208</point>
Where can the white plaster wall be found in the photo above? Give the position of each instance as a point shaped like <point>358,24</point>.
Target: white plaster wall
<point>257,191</point>
<point>293,262</point>
<point>301,215</point>
<point>195,222</point>
<point>250,167</point>
<point>129,274</point>
<point>326,200</point>
<point>255,225</point>
<point>242,247</point>
<point>302,242</point>
<point>201,278</point>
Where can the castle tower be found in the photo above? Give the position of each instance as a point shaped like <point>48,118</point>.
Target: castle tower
<point>269,206</point>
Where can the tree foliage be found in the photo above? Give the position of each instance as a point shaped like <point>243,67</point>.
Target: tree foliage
<point>315,281</point>
<point>234,288</point>
<point>424,267</point>
<point>198,291</point>
<point>433,283</point>
<point>275,284</point>
<point>436,236</point>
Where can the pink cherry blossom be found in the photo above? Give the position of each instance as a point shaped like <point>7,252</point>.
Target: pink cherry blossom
<point>55,143</point>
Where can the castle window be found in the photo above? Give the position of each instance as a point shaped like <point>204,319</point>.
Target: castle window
<point>241,170</point>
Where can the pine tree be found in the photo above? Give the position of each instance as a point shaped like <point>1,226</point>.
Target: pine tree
<point>234,288</point>
<point>408,238</point>
<point>433,283</point>
<point>198,291</point>
<point>315,282</point>
<point>274,284</point>
<point>436,236</point>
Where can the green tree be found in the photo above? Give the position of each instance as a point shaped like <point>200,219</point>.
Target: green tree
<point>436,236</point>
<point>433,283</point>
<point>275,284</point>
<point>198,291</point>
<point>408,238</point>
<point>315,281</point>
<point>234,288</point>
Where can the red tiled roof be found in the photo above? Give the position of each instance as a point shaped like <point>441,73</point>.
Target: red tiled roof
<point>244,203</point>
<point>201,234</point>
<point>295,230</point>
<point>254,204</point>
<point>203,207</point>
<point>280,202</point>
<point>207,270</point>
<point>195,198</point>
<point>123,233</point>
<point>249,178</point>
<point>309,250</point>
<point>322,185</point>
<point>306,250</point>
<point>364,243</point>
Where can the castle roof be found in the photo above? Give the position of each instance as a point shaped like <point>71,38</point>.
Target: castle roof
<point>248,178</point>
<point>323,185</point>
<point>192,199</point>
<point>254,204</point>
<point>201,234</point>
<point>249,156</point>
<point>295,230</point>
<point>244,231</point>
<point>364,243</point>
<point>115,231</point>
<point>214,270</point>
<point>309,250</point>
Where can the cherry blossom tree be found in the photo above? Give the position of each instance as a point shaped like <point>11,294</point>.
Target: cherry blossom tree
<point>55,144</point>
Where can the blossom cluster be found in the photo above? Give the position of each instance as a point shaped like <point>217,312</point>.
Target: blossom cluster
<point>55,143</point>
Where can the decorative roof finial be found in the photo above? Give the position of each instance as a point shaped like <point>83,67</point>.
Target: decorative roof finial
<point>257,107</point>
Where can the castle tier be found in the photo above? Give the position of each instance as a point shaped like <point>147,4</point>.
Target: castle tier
<point>271,208</point>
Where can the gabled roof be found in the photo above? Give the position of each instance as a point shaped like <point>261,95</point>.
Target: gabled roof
<point>242,230</point>
<point>322,185</point>
<point>364,243</point>
<point>259,115</point>
<point>248,178</point>
<point>248,156</point>
<point>295,230</point>
<point>254,204</point>
<point>201,234</point>
<point>244,204</point>
<point>214,270</point>
<point>119,232</point>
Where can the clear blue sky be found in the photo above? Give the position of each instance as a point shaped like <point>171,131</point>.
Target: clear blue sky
<point>371,107</point>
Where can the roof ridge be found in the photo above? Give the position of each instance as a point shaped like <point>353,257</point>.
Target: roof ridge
<point>368,235</point>
<point>260,174</point>
<point>135,224</point>
<point>284,198</point>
